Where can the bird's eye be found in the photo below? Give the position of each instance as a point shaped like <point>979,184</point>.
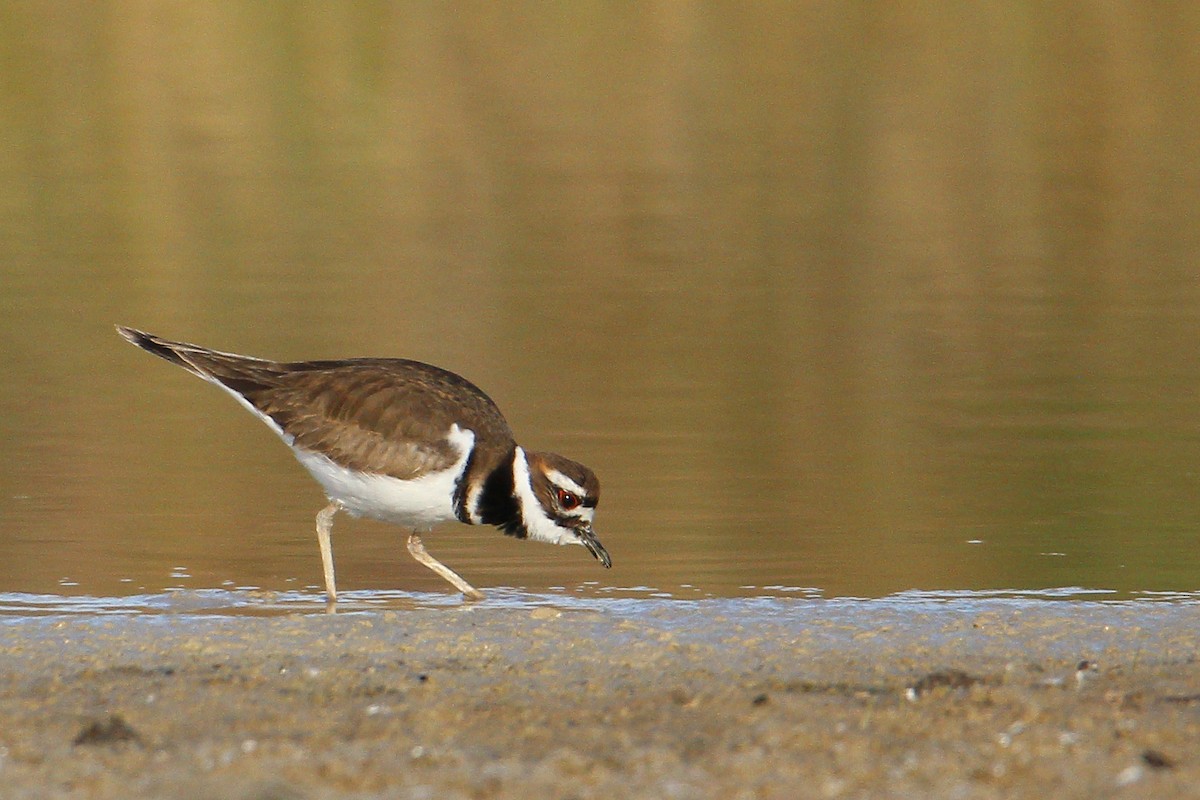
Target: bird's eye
<point>567,500</point>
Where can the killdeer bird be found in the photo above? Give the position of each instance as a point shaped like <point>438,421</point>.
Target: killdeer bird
<point>403,442</point>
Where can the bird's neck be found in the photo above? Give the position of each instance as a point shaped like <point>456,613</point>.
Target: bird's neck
<point>496,502</point>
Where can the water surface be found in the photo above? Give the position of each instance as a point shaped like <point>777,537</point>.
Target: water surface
<point>835,302</point>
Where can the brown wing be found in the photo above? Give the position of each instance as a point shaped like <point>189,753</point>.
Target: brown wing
<point>384,416</point>
<point>377,415</point>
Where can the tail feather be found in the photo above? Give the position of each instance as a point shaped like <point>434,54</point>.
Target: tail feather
<point>163,348</point>
<point>236,372</point>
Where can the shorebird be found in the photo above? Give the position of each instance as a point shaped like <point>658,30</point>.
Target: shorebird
<point>403,442</point>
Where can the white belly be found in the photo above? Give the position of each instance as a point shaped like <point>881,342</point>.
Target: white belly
<point>418,504</point>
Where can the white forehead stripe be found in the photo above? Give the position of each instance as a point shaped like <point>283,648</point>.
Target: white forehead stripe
<point>563,482</point>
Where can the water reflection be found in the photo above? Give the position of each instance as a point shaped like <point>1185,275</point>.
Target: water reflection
<point>862,302</point>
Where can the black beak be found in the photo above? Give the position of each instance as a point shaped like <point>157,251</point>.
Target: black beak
<point>593,545</point>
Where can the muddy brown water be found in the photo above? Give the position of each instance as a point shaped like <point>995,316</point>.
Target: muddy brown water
<point>854,303</point>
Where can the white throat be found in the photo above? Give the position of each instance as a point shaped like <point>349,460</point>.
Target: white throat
<point>539,524</point>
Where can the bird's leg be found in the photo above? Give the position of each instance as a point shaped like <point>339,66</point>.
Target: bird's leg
<point>324,524</point>
<point>417,548</point>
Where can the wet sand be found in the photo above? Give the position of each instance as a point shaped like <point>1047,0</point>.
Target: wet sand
<point>655,699</point>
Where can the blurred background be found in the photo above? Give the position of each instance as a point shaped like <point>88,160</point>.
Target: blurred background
<point>846,298</point>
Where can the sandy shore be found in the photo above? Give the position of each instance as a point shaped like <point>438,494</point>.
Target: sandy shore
<point>654,699</point>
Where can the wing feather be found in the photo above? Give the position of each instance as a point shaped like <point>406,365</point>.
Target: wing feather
<point>387,419</point>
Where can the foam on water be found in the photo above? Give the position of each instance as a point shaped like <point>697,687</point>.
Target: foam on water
<point>632,601</point>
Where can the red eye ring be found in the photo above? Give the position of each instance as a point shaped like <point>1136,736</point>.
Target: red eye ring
<point>567,500</point>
